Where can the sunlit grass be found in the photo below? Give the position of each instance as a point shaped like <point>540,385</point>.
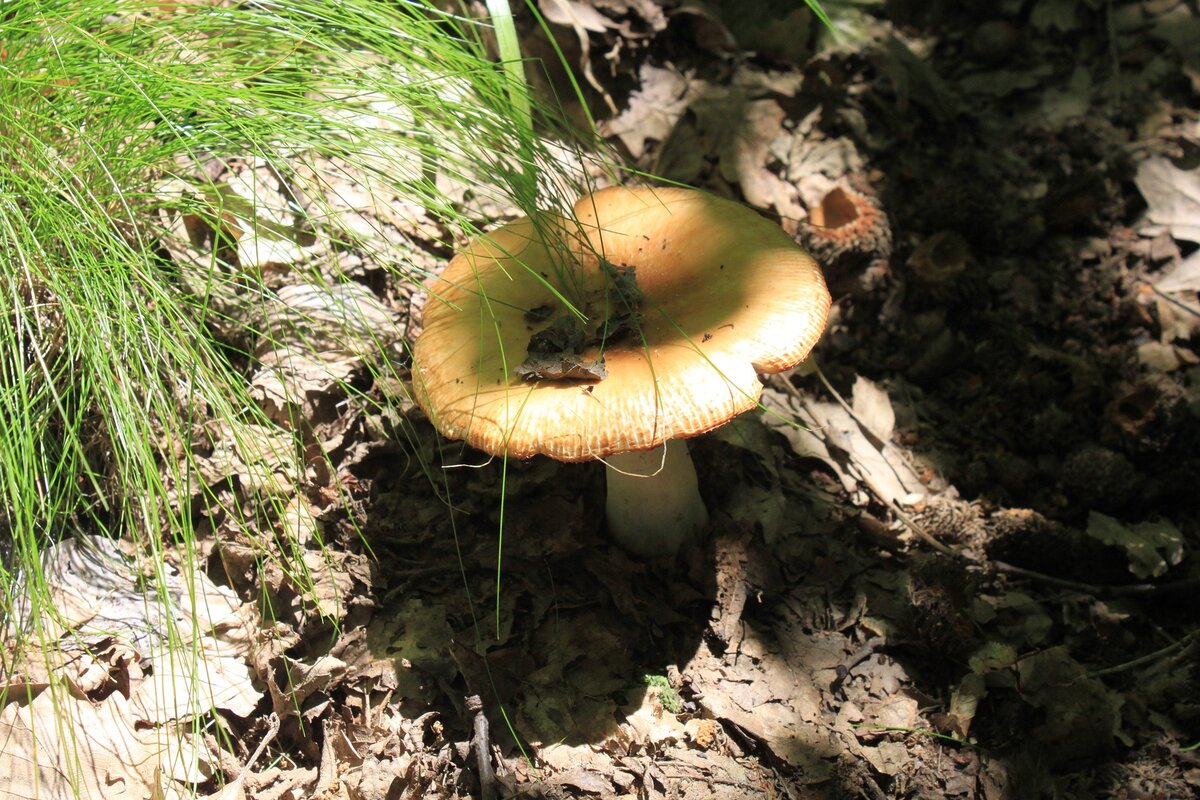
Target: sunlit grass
<point>113,353</point>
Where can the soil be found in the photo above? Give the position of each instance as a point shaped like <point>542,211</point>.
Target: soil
<point>971,573</point>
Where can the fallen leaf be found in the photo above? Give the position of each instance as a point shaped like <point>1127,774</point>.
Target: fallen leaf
<point>1152,547</point>
<point>773,701</point>
<point>964,701</point>
<point>888,758</point>
<point>830,433</point>
<point>1184,278</point>
<point>1059,106</point>
<point>573,13</point>
<point>1081,717</point>
<point>1172,196</point>
<point>60,746</point>
<point>654,108</point>
<point>874,408</point>
<point>992,656</point>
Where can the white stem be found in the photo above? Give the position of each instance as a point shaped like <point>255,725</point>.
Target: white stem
<point>654,503</point>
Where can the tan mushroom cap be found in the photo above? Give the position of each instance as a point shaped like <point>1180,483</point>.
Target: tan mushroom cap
<point>727,295</point>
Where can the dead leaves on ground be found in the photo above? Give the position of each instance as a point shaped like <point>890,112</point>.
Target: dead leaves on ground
<point>112,715</point>
<point>813,646</point>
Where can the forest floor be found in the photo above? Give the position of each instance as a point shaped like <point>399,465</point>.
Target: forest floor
<point>973,574</point>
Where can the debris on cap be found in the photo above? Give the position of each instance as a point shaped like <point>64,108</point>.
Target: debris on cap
<point>679,299</point>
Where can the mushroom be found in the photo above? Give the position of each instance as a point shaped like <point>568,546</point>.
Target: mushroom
<point>678,300</point>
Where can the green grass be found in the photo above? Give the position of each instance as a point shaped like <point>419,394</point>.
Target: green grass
<point>114,352</point>
<point>117,347</point>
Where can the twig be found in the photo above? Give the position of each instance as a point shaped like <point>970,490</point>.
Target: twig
<point>272,732</point>
<point>1097,589</point>
<point>908,521</point>
<point>243,775</point>
<point>999,566</point>
<point>1173,300</point>
<point>487,777</point>
<point>1146,659</point>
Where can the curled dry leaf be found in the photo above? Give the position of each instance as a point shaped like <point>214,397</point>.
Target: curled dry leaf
<point>1173,197</point>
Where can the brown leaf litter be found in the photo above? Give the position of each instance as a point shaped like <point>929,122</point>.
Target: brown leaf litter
<point>957,562</point>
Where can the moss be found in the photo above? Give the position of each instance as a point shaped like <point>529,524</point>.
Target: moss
<point>666,693</point>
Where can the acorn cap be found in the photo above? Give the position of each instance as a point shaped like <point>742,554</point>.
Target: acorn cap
<point>724,294</point>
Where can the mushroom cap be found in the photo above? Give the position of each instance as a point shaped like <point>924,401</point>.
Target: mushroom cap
<point>726,295</point>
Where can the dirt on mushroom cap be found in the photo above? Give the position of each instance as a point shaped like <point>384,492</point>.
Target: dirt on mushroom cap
<point>727,295</point>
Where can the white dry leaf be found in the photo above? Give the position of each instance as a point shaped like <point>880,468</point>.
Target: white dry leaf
<point>266,461</point>
<point>564,758</point>
<point>288,378</point>
<point>581,18</point>
<point>1183,278</point>
<point>587,782</point>
<point>305,680</point>
<point>268,216</point>
<point>234,790</point>
<point>258,250</point>
<point>188,682</point>
<point>831,434</point>
<point>474,197</point>
<point>653,724</point>
<point>760,83</point>
<point>965,699</point>
<point>300,525</point>
<point>751,156</point>
<point>893,711</point>
<point>820,650</point>
<point>1162,357</point>
<point>61,746</point>
<point>832,159</point>
<point>1172,196</point>
<point>345,318</point>
<point>572,13</point>
<point>650,11</point>
<point>351,112</point>
<point>201,669</point>
<point>654,108</point>
<point>263,458</point>
<point>873,408</point>
<point>88,581</point>
<point>332,577</point>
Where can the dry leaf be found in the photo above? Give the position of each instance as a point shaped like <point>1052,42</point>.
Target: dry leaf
<point>654,108</point>
<point>873,408</point>
<point>1183,278</point>
<point>830,433</point>
<point>1173,197</point>
<point>60,746</point>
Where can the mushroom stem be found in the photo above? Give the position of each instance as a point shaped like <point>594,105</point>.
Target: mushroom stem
<point>654,502</point>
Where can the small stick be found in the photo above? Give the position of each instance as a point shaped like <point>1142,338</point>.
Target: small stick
<point>487,777</point>
<point>272,732</point>
<point>1146,659</point>
<point>1118,590</point>
<point>1184,584</point>
<point>908,521</point>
